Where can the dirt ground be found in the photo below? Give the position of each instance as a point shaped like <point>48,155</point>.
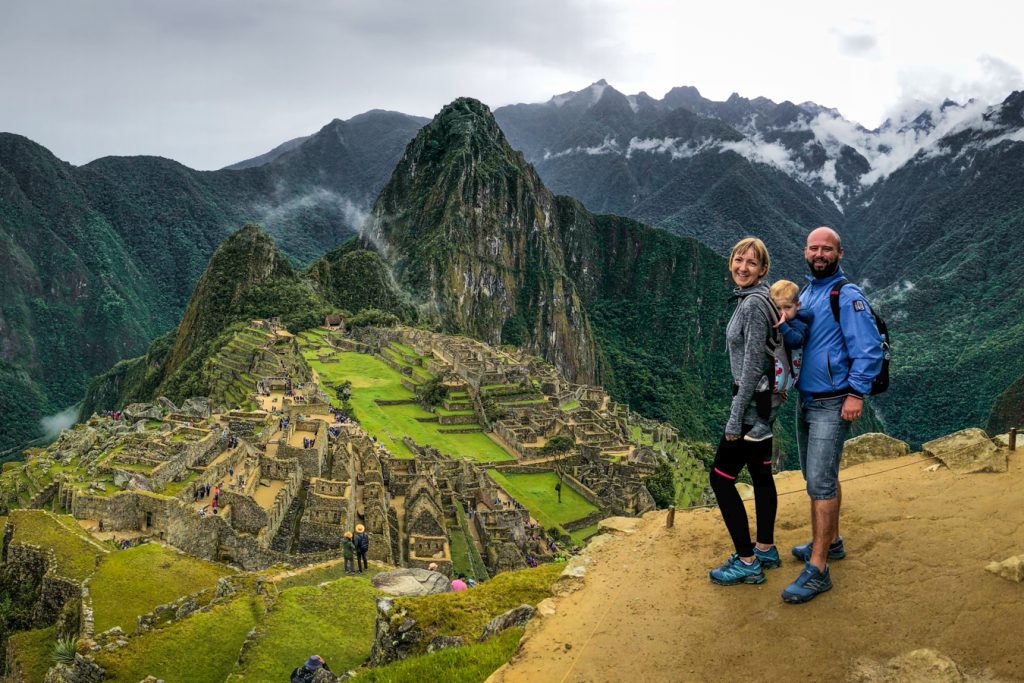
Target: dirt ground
<point>914,577</point>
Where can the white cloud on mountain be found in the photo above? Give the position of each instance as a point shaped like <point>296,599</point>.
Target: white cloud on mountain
<point>608,146</point>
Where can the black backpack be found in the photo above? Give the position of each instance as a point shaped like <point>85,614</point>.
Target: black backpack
<point>881,381</point>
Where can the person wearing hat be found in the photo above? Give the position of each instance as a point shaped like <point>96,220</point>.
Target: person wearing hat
<point>305,673</point>
<point>362,543</point>
<point>349,549</point>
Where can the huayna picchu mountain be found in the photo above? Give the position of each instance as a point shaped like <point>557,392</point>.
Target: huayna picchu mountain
<point>472,232</point>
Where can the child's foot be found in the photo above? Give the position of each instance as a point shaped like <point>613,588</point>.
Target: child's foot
<point>760,432</point>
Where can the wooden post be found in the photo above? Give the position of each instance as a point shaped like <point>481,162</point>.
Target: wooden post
<point>671,519</point>
<point>1013,438</point>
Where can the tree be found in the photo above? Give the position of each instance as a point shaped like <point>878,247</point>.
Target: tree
<point>432,393</point>
<point>557,445</point>
<point>662,485</point>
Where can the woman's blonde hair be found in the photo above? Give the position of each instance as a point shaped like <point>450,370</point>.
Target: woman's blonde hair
<point>760,251</point>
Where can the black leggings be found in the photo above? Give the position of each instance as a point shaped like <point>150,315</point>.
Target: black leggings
<point>730,459</point>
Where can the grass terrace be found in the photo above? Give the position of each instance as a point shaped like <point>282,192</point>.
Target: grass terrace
<point>537,493</point>
<point>373,379</point>
<point>119,595</point>
<point>466,613</point>
<point>74,552</point>
<point>335,620</point>
<point>33,652</point>
<point>469,664</point>
<point>199,649</point>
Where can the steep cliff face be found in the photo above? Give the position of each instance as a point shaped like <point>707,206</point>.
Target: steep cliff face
<point>657,304</point>
<point>471,233</point>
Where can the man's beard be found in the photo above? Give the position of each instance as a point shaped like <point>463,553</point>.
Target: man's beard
<point>824,271</point>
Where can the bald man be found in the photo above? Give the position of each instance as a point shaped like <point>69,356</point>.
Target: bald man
<point>841,359</point>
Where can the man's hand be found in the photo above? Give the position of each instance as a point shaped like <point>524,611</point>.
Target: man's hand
<point>853,406</point>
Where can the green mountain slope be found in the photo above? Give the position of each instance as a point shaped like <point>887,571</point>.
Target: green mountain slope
<point>101,259</point>
<point>935,241</point>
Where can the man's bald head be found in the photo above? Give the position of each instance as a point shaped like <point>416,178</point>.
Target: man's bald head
<point>823,252</point>
<point>826,233</point>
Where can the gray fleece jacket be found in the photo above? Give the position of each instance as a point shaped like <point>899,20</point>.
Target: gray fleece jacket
<point>746,337</point>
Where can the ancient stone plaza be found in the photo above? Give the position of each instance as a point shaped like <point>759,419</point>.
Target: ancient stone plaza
<point>509,467</point>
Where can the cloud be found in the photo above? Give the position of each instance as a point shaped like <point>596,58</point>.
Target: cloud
<point>858,44</point>
<point>607,146</point>
<point>271,213</point>
<point>53,425</point>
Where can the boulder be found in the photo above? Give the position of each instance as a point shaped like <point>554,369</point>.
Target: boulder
<point>167,404</point>
<point>517,616</point>
<point>197,406</point>
<point>873,446</point>
<point>414,581</point>
<point>444,642</point>
<point>143,411</point>
<point>1011,569</point>
<point>968,451</point>
<point>138,483</point>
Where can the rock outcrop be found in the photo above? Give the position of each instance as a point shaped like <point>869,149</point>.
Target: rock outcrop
<point>968,451</point>
<point>872,446</point>
<point>406,582</point>
<point>918,666</point>
<point>1011,569</point>
<point>517,616</point>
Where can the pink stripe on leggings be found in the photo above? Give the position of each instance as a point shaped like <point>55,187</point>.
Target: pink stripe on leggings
<point>724,474</point>
<point>767,462</point>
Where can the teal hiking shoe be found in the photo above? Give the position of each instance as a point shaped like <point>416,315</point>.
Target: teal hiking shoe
<point>808,585</point>
<point>836,551</point>
<point>769,559</point>
<point>735,572</point>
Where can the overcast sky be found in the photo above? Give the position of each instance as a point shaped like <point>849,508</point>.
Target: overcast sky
<point>212,82</point>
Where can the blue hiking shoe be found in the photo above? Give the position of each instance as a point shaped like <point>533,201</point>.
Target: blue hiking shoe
<point>807,586</point>
<point>836,551</point>
<point>769,559</point>
<point>734,572</point>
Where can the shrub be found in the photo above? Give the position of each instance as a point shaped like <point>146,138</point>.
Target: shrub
<point>65,649</point>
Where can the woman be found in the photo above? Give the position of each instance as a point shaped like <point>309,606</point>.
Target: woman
<point>747,340</point>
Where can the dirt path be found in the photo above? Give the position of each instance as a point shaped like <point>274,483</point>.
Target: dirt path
<point>918,543</point>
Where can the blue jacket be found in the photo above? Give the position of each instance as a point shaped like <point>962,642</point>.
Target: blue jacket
<point>838,357</point>
<point>794,332</point>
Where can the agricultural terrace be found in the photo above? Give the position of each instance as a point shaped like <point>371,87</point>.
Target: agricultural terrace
<point>373,379</point>
<point>73,550</point>
<point>536,492</point>
<point>134,581</point>
<point>334,620</point>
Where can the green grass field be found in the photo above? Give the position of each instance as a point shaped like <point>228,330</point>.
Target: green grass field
<point>537,493</point>
<point>469,664</point>
<point>334,621</point>
<point>199,649</point>
<point>76,556</point>
<point>134,581</point>
<point>33,651</point>
<point>373,379</point>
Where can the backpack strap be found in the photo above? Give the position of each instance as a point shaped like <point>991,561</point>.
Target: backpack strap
<point>774,335</point>
<point>833,296</point>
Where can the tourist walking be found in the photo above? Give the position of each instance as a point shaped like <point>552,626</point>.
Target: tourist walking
<point>348,548</point>
<point>362,543</point>
<point>843,354</point>
<point>746,338</point>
